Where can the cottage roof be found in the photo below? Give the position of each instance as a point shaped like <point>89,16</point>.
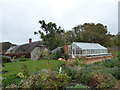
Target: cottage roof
<point>27,48</point>
<point>83,45</point>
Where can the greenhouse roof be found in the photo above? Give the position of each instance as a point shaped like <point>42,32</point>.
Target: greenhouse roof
<point>83,45</point>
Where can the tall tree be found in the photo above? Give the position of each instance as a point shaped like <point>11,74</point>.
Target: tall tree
<point>90,32</point>
<point>51,34</point>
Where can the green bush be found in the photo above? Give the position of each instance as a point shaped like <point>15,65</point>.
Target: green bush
<point>45,79</point>
<point>96,76</point>
<point>58,54</point>
<point>25,70</point>
<point>62,80</point>
<point>73,72</point>
<point>13,78</point>
<point>6,59</point>
<point>101,80</point>
<point>23,59</point>
<point>115,71</point>
<point>111,63</point>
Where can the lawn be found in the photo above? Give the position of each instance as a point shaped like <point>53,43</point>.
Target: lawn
<point>115,52</point>
<point>33,66</point>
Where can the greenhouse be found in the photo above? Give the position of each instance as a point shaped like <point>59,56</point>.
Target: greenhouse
<point>87,49</point>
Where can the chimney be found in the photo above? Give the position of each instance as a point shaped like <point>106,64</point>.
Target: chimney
<point>30,40</point>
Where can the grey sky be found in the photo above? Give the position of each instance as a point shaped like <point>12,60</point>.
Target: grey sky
<point>19,18</point>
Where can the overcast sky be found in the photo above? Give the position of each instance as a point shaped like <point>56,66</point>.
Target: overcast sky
<point>19,18</point>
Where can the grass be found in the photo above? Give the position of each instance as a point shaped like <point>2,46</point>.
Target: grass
<point>115,52</point>
<point>33,66</point>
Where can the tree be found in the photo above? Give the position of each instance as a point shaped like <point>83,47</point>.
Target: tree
<point>51,34</point>
<point>94,33</point>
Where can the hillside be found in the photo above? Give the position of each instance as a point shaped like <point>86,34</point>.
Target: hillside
<point>5,45</point>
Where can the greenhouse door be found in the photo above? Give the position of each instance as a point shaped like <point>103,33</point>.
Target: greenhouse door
<point>73,53</point>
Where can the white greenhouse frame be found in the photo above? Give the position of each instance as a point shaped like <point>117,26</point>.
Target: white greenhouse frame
<point>87,49</point>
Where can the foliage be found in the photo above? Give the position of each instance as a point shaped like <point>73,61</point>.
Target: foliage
<point>70,63</point>
<point>13,78</point>
<point>115,71</point>
<point>89,32</point>
<point>49,79</point>
<point>77,62</point>
<point>62,80</point>
<point>77,86</point>
<point>18,55</point>
<point>111,63</point>
<point>110,66</point>
<point>20,75</point>
<point>6,59</point>
<point>25,70</point>
<point>101,80</point>
<point>54,36</point>
<point>23,59</point>
<point>97,76</point>
<point>80,58</point>
<point>74,72</point>
<point>51,34</point>
<point>58,54</point>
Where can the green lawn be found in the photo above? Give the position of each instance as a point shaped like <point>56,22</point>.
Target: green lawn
<point>33,66</point>
<point>116,52</point>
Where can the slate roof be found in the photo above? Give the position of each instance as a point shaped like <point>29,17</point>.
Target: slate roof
<point>89,45</point>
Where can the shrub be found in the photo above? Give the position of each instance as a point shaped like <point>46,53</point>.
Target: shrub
<point>97,76</point>
<point>25,70</point>
<point>115,71</point>
<point>70,63</point>
<point>59,54</point>
<point>111,63</point>
<point>62,80</point>
<point>6,59</point>
<point>101,80</point>
<point>73,72</point>
<point>23,59</point>
<point>13,78</point>
<point>78,86</point>
<point>49,79</point>
<point>20,75</point>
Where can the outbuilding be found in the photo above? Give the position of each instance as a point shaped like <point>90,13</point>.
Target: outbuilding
<point>86,49</point>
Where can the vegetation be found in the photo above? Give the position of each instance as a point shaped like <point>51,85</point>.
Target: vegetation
<point>97,75</point>
<point>49,79</point>
<point>33,66</point>
<point>58,54</point>
<point>51,35</point>
<point>74,74</point>
<point>6,59</point>
<point>13,78</point>
<point>77,86</point>
<point>54,36</point>
<point>25,73</point>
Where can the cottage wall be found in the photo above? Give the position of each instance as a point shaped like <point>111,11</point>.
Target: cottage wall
<point>38,52</point>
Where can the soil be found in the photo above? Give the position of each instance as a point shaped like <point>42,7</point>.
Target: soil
<point>91,61</point>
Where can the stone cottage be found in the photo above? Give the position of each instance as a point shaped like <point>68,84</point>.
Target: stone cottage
<point>34,48</point>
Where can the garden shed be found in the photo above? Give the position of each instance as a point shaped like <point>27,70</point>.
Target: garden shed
<point>87,49</point>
